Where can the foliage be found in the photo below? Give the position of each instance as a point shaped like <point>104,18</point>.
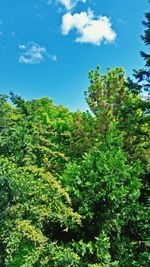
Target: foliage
<point>74,186</point>
<point>143,75</point>
<point>33,201</point>
<point>105,190</point>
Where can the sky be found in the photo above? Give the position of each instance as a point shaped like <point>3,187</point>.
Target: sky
<point>47,47</point>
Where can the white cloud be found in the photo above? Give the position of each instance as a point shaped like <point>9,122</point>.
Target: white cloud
<point>69,4</point>
<point>89,29</point>
<point>77,21</point>
<point>33,53</point>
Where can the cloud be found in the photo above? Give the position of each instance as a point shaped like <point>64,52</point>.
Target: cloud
<point>69,4</point>
<point>90,29</point>
<point>33,53</point>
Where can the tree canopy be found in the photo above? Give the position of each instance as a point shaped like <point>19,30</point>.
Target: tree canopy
<point>74,186</point>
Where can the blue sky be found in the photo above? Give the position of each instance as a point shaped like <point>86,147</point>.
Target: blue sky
<point>47,47</point>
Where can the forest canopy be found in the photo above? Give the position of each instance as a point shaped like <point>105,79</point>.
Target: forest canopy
<point>74,186</point>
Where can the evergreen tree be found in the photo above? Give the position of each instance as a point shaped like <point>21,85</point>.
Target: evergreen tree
<point>143,75</point>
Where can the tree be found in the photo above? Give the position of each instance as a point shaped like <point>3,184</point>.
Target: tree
<point>33,203</point>
<point>105,189</point>
<point>143,75</point>
<point>131,118</point>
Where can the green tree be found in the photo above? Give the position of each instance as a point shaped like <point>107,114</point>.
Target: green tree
<point>143,75</point>
<point>105,189</point>
<point>32,203</point>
